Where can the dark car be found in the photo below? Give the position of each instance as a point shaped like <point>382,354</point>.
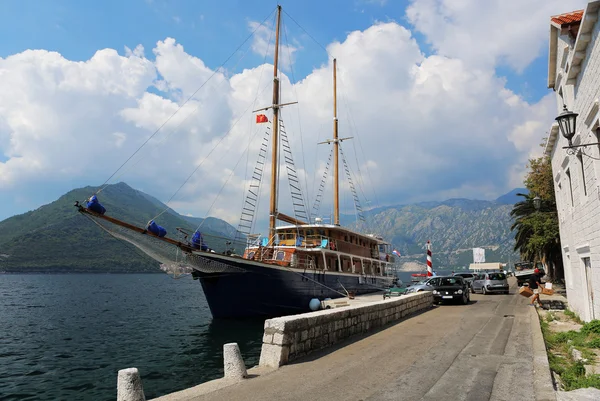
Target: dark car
<point>450,288</point>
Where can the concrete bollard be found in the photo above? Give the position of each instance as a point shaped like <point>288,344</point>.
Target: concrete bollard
<point>234,363</point>
<point>129,386</point>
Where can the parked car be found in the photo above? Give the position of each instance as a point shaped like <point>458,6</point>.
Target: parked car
<point>450,288</point>
<point>419,286</point>
<point>468,277</point>
<point>486,283</point>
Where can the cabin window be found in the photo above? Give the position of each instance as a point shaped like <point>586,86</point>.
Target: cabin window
<point>280,255</point>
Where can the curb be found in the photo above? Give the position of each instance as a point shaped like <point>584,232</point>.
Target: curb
<point>542,379</point>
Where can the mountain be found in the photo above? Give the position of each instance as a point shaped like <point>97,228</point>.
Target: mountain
<point>511,198</point>
<point>454,227</point>
<point>56,238</point>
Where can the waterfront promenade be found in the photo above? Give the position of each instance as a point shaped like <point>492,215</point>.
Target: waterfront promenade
<point>490,349</point>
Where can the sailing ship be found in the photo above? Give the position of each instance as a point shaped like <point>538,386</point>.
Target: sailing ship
<point>278,274</point>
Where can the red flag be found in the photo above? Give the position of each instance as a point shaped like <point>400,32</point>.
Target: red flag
<point>261,118</point>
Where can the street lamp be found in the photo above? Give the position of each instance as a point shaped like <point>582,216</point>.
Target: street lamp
<point>537,202</point>
<point>567,123</point>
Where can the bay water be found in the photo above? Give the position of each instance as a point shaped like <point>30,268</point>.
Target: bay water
<point>65,336</point>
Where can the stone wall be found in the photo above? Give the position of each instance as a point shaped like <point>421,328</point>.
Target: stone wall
<point>577,179</point>
<point>291,337</point>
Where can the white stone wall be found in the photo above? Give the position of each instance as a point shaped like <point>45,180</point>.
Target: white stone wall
<point>291,337</point>
<point>580,217</point>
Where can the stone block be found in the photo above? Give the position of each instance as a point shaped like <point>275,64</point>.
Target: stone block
<point>268,338</point>
<point>304,335</point>
<point>273,355</point>
<point>281,339</point>
<point>274,325</point>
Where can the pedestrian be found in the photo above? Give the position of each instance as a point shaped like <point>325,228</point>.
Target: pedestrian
<point>535,283</point>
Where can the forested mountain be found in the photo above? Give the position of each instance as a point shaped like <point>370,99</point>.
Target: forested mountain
<point>56,238</point>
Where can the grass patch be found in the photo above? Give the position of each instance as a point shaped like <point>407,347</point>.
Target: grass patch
<point>559,345</point>
<point>573,316</point>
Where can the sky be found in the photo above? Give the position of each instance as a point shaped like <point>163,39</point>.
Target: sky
<point>442,98</point>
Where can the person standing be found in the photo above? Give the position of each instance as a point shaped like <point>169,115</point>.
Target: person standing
<point>535,284</point>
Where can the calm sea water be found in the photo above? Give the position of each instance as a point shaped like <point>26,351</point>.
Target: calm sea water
<point>64,337</point>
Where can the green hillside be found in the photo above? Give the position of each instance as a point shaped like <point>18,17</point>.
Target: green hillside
<point>56,238</point>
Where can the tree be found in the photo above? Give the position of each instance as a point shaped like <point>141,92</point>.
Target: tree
<point>537,236</point>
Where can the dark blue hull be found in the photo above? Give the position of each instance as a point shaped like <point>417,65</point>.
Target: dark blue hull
<point>253,289</point>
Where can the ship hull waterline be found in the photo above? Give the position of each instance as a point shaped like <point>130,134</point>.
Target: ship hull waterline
<point>254,289</point>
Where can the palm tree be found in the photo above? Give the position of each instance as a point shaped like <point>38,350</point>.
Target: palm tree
<point>521,213</point>
<point>537,235</point>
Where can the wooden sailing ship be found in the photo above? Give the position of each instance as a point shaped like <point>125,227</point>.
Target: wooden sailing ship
<point>281,273</point>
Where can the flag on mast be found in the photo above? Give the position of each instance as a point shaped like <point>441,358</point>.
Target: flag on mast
<point>395,252</point>
<point>261,118</point>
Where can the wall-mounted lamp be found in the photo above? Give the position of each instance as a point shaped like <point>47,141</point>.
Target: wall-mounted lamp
<point>567,123</point>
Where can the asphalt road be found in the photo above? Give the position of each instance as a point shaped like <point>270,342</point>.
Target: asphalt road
<point>480,351</point>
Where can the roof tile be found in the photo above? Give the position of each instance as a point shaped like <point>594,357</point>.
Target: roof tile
<point>568,18</point>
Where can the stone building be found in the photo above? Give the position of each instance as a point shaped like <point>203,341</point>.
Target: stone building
<point>574,75</point>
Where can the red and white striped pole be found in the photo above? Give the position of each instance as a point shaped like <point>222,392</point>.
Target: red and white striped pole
<point>429,264</point>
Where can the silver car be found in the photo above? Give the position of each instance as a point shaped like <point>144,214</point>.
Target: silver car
<point>422,285</point>
<point>468,277</point>
<point>487,283</point>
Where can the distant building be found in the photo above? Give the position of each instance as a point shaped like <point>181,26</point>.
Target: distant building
<point>574,75</point>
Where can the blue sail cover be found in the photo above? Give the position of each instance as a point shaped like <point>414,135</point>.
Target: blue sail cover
<point>156,229</point>
<point>94,205</point>
<point>198,241</point>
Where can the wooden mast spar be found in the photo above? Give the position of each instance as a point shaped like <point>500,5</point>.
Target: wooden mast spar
<point>336,169</point>
<point>275,141</point>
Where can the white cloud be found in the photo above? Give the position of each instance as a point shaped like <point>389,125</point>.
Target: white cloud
<point>263,44</point>
<point>486,33</point>
<point>424,127</point>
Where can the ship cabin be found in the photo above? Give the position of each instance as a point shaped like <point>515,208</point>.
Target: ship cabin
<point>323,247</point>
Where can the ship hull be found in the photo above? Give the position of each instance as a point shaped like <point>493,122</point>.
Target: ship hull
<point>254,289</point>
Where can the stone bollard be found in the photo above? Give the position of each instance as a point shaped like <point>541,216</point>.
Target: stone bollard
<point>234,363</point>
<point>129,386</point>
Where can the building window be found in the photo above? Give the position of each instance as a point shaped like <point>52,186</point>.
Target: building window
<point>570,186</point>
<point>580,157</point>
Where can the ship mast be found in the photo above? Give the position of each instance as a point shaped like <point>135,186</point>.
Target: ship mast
<point>336,170</point>
<point>274,160</point>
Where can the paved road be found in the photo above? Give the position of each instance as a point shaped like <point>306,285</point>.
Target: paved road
<point>480,351</point>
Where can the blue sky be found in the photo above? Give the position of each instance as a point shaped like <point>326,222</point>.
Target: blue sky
<point>77,29</point>
<point>450,97</point>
